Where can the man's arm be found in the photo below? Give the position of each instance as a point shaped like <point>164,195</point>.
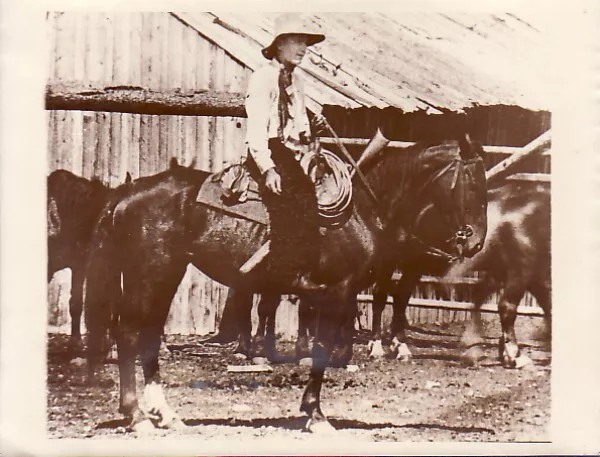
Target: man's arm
<point>258,105</point>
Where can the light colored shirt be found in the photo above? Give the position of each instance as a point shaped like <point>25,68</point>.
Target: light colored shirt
<point>262,102</point>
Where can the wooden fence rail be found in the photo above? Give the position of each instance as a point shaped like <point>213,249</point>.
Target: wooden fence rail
<point>455,305</point>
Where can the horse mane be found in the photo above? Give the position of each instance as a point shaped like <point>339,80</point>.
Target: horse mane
<point>398,167</point>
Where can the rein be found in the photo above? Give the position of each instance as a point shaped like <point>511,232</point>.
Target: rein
<point>458,166</point>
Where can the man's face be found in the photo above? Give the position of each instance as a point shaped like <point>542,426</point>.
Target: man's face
<point>292,49</point>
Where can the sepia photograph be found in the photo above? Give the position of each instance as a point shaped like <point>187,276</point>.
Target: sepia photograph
<point>297,226</point>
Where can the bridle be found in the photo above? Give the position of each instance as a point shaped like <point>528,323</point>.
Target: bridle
<point>463,231</point>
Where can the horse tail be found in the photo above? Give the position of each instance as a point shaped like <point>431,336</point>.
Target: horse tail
<point>102,288</point>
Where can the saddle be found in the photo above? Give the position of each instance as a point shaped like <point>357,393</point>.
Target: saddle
<point>234,191</point>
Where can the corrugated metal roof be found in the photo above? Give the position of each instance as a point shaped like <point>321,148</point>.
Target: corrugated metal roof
<point>407,60</point>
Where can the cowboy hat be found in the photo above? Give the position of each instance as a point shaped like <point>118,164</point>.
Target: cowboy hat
<point>291,24</point>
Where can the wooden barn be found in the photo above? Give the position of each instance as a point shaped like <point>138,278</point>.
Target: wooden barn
<point>129,91</point>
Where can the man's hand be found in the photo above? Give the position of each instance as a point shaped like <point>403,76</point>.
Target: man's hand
<point>273,181</point>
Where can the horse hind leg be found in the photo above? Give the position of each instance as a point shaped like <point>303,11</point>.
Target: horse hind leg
<point>240,303</point>
<point>142,315</point>
<point>127,337</point>
<point>542,292</point>
<point>149,343</point>
<point>76,308</point>
<point>159,411</point>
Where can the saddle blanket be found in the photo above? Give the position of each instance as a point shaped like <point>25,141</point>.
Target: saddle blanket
<point>234,192</point>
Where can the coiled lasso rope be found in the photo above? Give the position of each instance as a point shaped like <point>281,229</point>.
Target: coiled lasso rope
<point>333,184</point>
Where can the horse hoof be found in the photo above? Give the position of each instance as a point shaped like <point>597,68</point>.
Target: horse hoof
<point>240,356</point>
<point>320,428</point>
<point>76,345</point>
<point>260,361</point>
<point>523,362</point>
<point>305,362</point>
<point>403,354</point>
<point>144,427</point>
<point>177,424</point>
<point>510,354</point>
<point>472,356</point>
<point>376,349</point>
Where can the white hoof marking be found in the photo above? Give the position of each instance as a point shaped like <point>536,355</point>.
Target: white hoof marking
<point>157,405</point>
<point>260,361</point>
<point>320,428</point>
<point>144,427</point>
<point>305,362</point>
<point>403,354</point>
<point>376,349</point>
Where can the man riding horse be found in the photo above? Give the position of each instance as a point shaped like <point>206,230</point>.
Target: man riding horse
<point>279,134</point>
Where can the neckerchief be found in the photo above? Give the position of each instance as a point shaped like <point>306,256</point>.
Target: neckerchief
<point>285,81</point>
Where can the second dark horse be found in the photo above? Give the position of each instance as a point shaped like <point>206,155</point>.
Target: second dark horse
<point>152,234</point>
<point>516,258</point>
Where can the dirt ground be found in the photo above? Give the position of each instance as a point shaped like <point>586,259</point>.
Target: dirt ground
<point>435,397</point>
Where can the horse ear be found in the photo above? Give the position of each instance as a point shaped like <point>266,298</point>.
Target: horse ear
<point>193,163</point>
<point>54,224</point>
<point>468,148</point>
<point>173,163</point>
<point>128,178</point>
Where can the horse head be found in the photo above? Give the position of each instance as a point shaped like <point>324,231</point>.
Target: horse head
<point>452,221</point>
<point>441,201</point>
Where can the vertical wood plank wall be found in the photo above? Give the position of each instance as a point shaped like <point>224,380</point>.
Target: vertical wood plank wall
<point>152,50</point>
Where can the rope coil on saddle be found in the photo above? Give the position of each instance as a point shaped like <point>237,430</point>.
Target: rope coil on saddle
<point>333,186</point>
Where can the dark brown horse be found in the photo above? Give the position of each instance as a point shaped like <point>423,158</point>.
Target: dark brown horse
<point>73,208</point>
<point>515,259</point>
<point>158,228</point>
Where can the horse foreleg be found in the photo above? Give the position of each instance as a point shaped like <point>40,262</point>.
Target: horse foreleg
<point>401,295</point>
<point>507,308</point>
<point>344,347</point>
<point>305,321</point>
<point>311,400</point>
<point>263,347</point>
<point>380,294</point>
<point>472,338</point>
